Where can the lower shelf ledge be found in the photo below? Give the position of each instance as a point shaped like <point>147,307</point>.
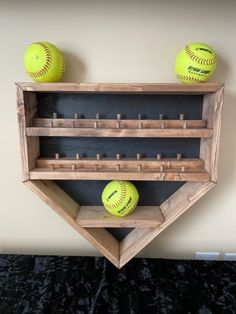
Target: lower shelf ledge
<point>149,175</point>
<point>97,217</point>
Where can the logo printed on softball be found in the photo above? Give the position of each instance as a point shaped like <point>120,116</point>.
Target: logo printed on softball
<point>197,58</point>
<point>192,69</point>
<point>123,201</point>
<point>204,49</point>
<point>195,63</point>
<point>126,205</point>
<point>110,196</point>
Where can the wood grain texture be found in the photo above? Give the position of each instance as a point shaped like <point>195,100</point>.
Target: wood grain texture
<point>125,163</point>
<point>65,207</point>
<point>122,87</point>
<point>29,147</point>
<point>90,221</point>
<point>209,148</point>
<point>171,209</point>
<point>184,198</point>
<point>96,132</point>
<point>123,123</point>
<point>148,175</point>
<point>97,216</point>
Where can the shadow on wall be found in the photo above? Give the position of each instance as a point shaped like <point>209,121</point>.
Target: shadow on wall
<point>227,142</point>
<point>74,68</point>
<point>222,71</point>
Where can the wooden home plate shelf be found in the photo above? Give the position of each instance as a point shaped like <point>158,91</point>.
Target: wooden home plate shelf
<point>163,137</point>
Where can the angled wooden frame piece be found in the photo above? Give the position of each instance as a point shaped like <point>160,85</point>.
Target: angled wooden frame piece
<point>67,208</point>
<point>171,209</point>
<point>119,253</point>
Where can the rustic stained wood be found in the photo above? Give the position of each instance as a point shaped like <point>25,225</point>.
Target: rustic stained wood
<point>97,216</point>
<point>65,207</point>
<point>112,123</point>
<point>209,150</point>
<point>125,163</point>
<point>156,88</point>
<point>171,209</point>
<point>29,146</point>
<point>147,221</point>
<point>119,132</point>
<point>117,174</point>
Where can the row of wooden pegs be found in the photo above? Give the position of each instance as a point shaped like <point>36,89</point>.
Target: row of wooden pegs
<point>118,166</point>
<point>119,118</point>
<point>119,156</point>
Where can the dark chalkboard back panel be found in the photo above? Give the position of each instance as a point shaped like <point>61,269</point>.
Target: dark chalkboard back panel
<point>129,106</point>
<point>109,147</point>
<point>88,192</point>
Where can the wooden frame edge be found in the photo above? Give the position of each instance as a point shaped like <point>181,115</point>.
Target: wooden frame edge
<point>209,148</point>
<point>121,87</point>
<point>171,209</point>
<point>65,207</point>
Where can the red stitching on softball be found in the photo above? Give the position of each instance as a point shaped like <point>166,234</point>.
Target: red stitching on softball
<point>198,59</point>
<point>121,199</point>
<point>48,62</point>
<point>189,78</point>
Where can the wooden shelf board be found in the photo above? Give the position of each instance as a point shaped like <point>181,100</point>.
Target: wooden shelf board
<point>154,88</point>
<point>97,216</point>
<point>84,174</point>
<point>96,132</point>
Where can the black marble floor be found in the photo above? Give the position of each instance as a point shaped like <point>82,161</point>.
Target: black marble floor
<point>81,285</point>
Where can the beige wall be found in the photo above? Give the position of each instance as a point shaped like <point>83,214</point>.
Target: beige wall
<point>115,41</point>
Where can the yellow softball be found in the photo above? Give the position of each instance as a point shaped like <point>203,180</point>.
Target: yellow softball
<point>44,62</point>
<point>195,63</point>
<point>120,198</point>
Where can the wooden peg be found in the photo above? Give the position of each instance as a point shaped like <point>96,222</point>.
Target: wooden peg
<point>95,125</point>
<point>161,168</point>
<point>138,156</point>
<point>158,156</point>
<point>139,116</point>
<point>97,116</point>
<point>140,125</point>
<point>57,156</point>
<point>163,125</point>
<point>118,124</point>
<point>118,156</point>
<point>162,177</point>
<point>73,167</point>
<point>98,156</point>
<point>179,156</point>
<point>51,124</point>
<point>185,125</point>
<point>161,116</point>
<point>181,116</point>
<point>52,166</point>
<point>140,168</point>
<point>118,116</point>
<point>118,167</point>
<point>72,124</point>
<point>77,156</point>
<point>96,167</point>
<point>182,168</point>
<point>54,115</point>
